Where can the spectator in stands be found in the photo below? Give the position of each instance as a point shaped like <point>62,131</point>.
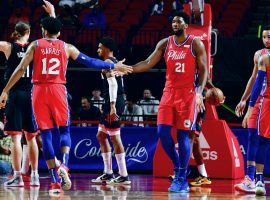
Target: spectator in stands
<point>5,152</point>
<point>96,99</point>
<point>177,5</point>
<point>94,19</point>
<point>88,111</point>
<point>158,8</point>
<point>67,17</point>
<point>149,105</point>
<point>132,112</point>
<point>17,16</point>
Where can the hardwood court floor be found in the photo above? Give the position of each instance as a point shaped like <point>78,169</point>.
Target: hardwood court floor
<point>142,187</point>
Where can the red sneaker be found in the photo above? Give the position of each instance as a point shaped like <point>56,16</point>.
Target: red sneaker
<point>55,188</point>
<point>64,175</point>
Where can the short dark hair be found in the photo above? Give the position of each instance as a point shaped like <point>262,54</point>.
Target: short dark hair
<point>87,98</point>
<point>266,28</point>
<point>109,43</point>
<point>52,25</point>
<point>182,14</point>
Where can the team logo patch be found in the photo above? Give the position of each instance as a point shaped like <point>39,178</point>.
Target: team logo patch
<point>187,123</point>
<point>186,46</point>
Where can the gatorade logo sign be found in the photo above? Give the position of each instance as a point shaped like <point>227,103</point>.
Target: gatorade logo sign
<point>208,154</point>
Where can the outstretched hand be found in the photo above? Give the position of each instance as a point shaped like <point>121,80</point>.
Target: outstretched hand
<point>121,67</point>
<point>49,8</point>
<point>3,99</point>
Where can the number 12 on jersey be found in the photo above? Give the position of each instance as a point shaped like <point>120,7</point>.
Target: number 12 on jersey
<point>180,67</point>
<point>52,69</point>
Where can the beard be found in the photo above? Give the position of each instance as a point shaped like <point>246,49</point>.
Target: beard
<point>179,32</point>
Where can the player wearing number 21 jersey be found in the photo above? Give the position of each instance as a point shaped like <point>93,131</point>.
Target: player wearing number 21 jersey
<point>185,59</point>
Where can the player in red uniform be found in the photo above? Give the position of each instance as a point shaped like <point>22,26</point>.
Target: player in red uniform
<point>248,183</point>
<point>50,57</point>
<point>260,107</point>
<point>185,58</point>
<point>20,123</point>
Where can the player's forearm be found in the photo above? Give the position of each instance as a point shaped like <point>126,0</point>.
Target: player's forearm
<point>93,62</point>
<point>202,80</point>
<point>142,66</point>
<point>113,87</point>
<point>248,89</point>
<point>17,74</point>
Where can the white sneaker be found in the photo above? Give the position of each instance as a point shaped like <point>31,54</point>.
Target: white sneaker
<point>260,189</point>
<point>64,175</point>
<point>246,185</point>
<point>34,181</point>
<point>14,182</point>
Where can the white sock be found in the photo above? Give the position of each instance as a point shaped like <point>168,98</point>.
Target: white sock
<point>121,162</point>
<point>25,160</point>
<point>17,173</point>
<point>34,173</point>
<point>107,160</point>
<point>57,162</point>
<point>202,170</point>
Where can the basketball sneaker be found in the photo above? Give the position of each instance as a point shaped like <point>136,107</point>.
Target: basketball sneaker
<point>260,189</point>
<point>104,178</point>
<point>55,189</point>
<point>171,177</point>
<point>246,185</point>
<point>64,175</point>
<point>201,180</point>
<point>14,182</point>
<point>179,185</point>
<point>121,180</point>
<point>34,181</point>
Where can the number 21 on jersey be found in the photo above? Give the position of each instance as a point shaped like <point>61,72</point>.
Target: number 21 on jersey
<point>180,67</point>
<point>50,67</point>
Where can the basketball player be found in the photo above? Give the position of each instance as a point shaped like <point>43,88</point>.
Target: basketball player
<point>261,105</point>
<point>19,113</point>
<point>248,183</point>
<point>184,55</point>
<point>203,178</point>
<point>113,92</point>
<point>50,57</point>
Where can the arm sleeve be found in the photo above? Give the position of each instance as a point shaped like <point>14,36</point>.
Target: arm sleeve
<point>93,63</point>
<point>112,88</point>
<point>257,87</point>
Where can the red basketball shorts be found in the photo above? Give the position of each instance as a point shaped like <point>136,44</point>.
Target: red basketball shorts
<point>50,105</point>
<point>177,108</point>
<point>262,110</point>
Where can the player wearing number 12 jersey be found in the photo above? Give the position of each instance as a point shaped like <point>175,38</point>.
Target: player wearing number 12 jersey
<point>185,59</point>
<point>50,57</point>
